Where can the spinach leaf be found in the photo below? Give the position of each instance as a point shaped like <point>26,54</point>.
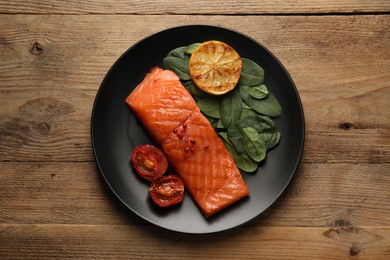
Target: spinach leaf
<point>257,92</point>
<point>190,48</point>
<point>254,144</point>
<point>179,66</point>
<point>242,160</point>
<point>268,132</point>
<point>271,137</point>
<point>268,106</point>
<point>230,108</point>
<point>196,92</point>
<point>247,111</point>
<point>215,123</point>
<point>263,125</point>
<point>251,73</point>
<point>178,61</point>
<point>209,106</point>
<point>179,53</point>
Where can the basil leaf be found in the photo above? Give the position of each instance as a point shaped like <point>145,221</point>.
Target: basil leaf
<point>230,108</point>
<point>268,106</point>
<point>254,144</point>
<point>242,160</point>
<point>257,92</point>
<point>179,66</point>
<point>209,106</point>
<point>190,48</point>
<point>251,73</point>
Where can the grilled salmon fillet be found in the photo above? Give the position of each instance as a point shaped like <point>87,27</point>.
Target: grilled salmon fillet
<point>192,147</point>
<point>161,103</point>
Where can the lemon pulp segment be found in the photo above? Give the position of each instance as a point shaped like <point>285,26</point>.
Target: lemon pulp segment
<point>215,67</point>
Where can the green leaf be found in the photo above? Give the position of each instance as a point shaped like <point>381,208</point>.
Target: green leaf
<point>271,137</point>
<point>242,160</point>
<point>219,125</point>
<point>209,106</point>
<point>263,125</point>
<point>247,111</point>
<point>254,144</point>
<point>179,66</point>
<point>251,73</point>
<point>215,123</point>
<point>196,92</point>
<point>190,48</point>
<point>230,108</point>
<point>268,106</point>
<point>178,53</point>
<point>257,92</point>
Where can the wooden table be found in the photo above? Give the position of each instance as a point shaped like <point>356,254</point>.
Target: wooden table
<point>54,202</point>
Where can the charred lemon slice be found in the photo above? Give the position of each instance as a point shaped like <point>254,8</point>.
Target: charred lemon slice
<point>215,67</point>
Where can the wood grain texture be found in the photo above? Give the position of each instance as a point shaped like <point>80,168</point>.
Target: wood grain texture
<point>124,241</point>
<point>54,203</point>
<point>193,7</point>
<point>320,195</point>
<point>50,75</point>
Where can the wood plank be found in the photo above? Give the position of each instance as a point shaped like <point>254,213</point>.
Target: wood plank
<point>59,193</point>
<point>193,7</point>
<point>321,195</point>
<point>46,128</point>
<point>49,76</point>
<point>58,129</point>
<point>77,54</point>
<point>146,242</point>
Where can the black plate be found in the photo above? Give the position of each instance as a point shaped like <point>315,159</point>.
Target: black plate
<point>116,132</point>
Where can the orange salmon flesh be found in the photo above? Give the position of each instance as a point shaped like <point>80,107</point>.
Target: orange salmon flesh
<point>169,113</point>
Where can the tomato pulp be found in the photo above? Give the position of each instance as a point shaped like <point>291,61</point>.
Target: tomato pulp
<point>167,190</point>
<point>149,162</point>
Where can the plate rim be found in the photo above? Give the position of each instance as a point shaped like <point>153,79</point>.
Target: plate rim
<point>188,26</point>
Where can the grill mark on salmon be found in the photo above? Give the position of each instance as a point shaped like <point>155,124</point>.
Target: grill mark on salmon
<point>192,147</point>
<point>163,108</point>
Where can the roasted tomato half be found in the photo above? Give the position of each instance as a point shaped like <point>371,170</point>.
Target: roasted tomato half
<point>167,190</point>
<point>149,161</point>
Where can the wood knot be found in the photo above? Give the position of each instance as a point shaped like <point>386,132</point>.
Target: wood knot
<point>346,126</point>
<point>340,222</point>
<point>41,108</point>
<point>355,249</point>
<point>36,48</point>
<point>340,228</point>
<point>43,128</point>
